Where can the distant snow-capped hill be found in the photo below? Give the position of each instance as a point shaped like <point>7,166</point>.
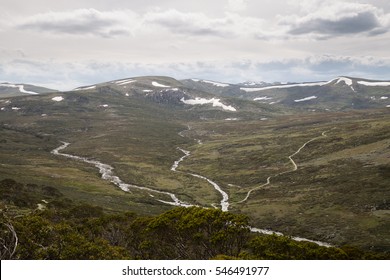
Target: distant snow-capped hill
<point>9,89</point>
<point>338,94</point>
<point>165,90</point>
<point>341,93</point>
<point>340,81</point>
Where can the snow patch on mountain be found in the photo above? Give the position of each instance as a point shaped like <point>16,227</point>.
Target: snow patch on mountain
<point>251,84</point>
<point>215,83</point>
<point>168,90</point>
<point>284,86</point>
<point>214,101</point>
<point>262,98</point>
<point>20,87</point>
<point>125,82</point>
<point>85,88</point>
<point>306,98</point>
<point>57,98</point>
<point>347,81</point>
<point>211,82</point>
<point>374,84</point>
<point>156,84</point>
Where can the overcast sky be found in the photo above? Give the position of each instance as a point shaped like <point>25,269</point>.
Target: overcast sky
<point>65,44</point>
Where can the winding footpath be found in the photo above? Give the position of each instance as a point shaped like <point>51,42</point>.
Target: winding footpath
<point>323,134</point>
<point>225,200</point>
<point>295,167</point>
<point>107,174</point>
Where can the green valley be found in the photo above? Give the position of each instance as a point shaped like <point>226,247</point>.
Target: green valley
<point>315,168</point>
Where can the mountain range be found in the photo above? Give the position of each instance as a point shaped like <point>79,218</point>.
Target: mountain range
<point>338,94</point>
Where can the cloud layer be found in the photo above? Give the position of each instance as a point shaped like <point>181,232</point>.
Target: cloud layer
<point>326,20</point>
<point>80,22</point>
<point>76,42</point>
<point>192,24</point>
<point>114,23</point>
<point>66,76</point>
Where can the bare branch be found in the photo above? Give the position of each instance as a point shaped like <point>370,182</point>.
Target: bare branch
<point>9,243</point>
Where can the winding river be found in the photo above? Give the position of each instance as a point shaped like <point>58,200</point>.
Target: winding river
<point>225,196</point>
<point>106,172</point>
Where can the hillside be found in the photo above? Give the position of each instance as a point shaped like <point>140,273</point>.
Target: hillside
<point>342,93</point>
<point>11,90</point>
<point>314,168</point>
<point>63,230</point>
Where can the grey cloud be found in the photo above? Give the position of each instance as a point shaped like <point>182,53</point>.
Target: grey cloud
<point>350,24</point>
<point>337,18</point>
<point>79,22</point>
<point>116,23</point>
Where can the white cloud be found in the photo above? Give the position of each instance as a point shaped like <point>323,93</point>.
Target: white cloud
<point>188,23</point>
<point>82,22</point>
<point>109,24</point>
<point>231,25</point>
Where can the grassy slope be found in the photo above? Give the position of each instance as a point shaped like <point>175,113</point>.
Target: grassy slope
<point>340,192</point>
<point>131,135</point>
